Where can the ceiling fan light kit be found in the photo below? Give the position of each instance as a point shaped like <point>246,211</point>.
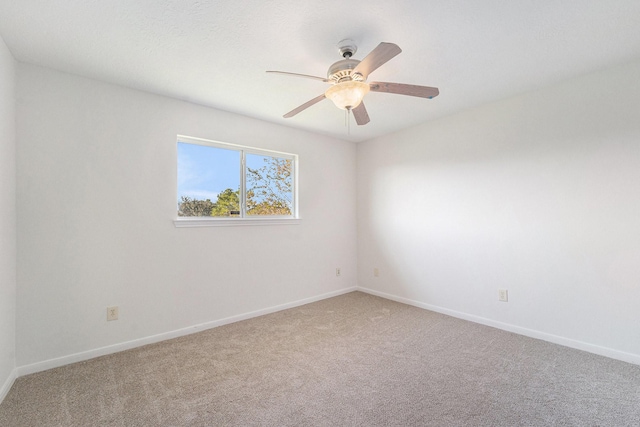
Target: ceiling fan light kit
<point>348,81</point>
<point>347,95</point>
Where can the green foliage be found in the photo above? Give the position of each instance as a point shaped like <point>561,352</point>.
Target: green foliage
<point>194,207</point>
<point>228,204</point>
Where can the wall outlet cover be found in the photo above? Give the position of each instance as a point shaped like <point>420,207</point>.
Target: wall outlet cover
<point>112,313</point>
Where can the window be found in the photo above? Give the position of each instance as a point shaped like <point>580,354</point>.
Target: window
<point>220,182</point>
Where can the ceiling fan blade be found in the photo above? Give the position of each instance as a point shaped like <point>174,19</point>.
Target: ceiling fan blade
<point>322,79</point>
<point>361,115</point>
<point>403,89</point>
<point>378,56</point>
<point>304,106</point>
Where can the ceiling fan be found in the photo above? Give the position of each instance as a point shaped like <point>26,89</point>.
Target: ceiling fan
<point>348,78</point>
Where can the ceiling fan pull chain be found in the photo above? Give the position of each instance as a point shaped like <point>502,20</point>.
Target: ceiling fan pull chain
<point>347,118</point>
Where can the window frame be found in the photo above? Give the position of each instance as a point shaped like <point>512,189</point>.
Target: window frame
<point>243,219</point>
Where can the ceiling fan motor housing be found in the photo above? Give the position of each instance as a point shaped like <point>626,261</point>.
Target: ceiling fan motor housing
<point>343,71</point>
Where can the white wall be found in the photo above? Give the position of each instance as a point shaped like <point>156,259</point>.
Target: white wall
<point>96,199</point>
<point>7,219</point>
<point>538,194</point>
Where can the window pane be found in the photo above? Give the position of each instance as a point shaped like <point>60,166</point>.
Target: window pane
<point>269,185</point>
<point>208,181</point>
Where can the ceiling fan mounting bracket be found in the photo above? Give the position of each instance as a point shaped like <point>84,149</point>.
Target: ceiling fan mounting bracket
<point>347,48</point>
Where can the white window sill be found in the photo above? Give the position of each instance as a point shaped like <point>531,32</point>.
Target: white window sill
<point>232,222</point>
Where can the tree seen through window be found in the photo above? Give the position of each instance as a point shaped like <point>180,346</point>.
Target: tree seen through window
<point>268,180</point>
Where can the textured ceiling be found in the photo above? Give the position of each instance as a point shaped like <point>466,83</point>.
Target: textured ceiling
<point>215,53</point>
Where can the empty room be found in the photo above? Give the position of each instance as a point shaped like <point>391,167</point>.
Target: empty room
<point>295,213</point>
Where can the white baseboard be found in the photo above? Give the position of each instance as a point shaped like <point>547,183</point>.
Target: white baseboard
<point>567,342</point>
<point>8,384</point>
<point>103,351</point>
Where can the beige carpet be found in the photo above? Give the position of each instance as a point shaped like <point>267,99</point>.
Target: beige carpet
<point>352,360</point>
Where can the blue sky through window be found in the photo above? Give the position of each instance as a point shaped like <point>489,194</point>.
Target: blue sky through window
<point>204,171</point>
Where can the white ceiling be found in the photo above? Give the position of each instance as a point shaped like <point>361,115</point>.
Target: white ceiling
<point>216,52</point>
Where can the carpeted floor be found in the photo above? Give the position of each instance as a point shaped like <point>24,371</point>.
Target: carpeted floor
<point>352,360</point>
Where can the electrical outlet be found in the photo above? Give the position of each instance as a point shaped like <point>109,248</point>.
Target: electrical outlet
<point>112,313</point>
<point>503,295</point>
<point>338,272</point>
<point>376,272</point>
